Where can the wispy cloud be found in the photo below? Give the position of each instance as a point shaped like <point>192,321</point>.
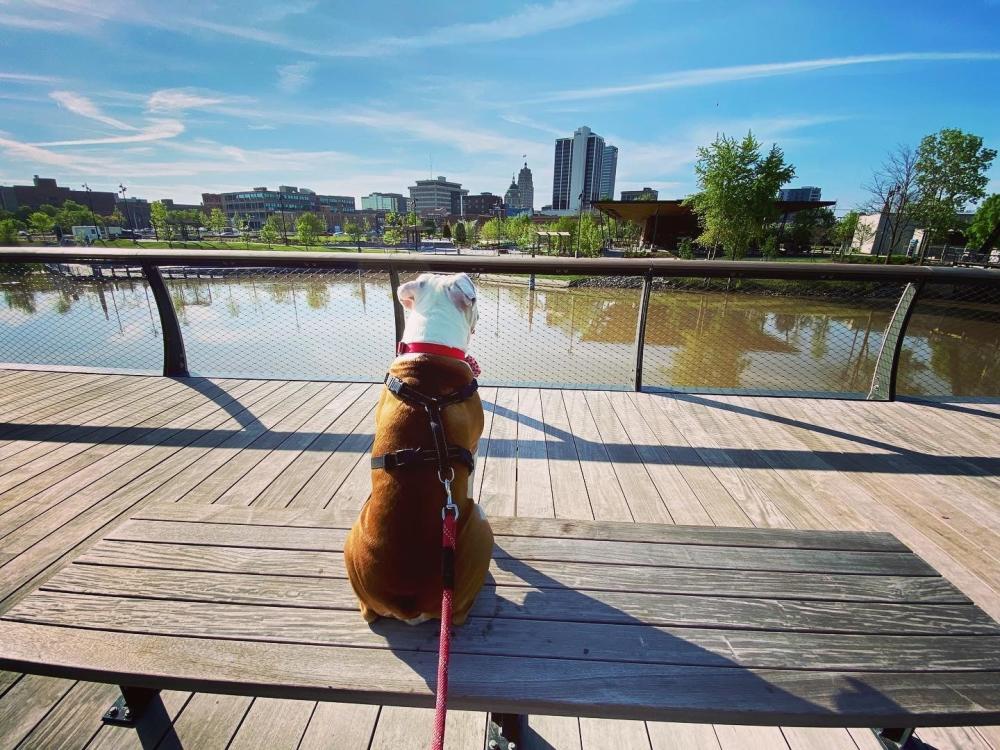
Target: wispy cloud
<point>177,100</point>
<point>294,77</point>
<point>81,105</point>
<point>27,78</point>
<point>712,76</point>
<point>158,130</point>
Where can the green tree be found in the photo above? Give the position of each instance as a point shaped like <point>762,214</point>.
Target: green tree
<point>72,214</point>
<point>844,230</point>
<point>952,171</point>
<point>308,228</point>
<point>446,231</point>
<point>810,227</point>
<point>392,235</point>
<point>41,223</point>
<point>242,225</point>
<point>8,232</point>
<point>738,187</point>
<point>355,231</point>
<point>984,231</point>
<point>159,217</point>
<point>685,248</point>
<point>459,234</point>
<point>115,219</point>
<point>218,222</point>
<point>412,219</point>
<point>893,188</point>
<point>270,232</point>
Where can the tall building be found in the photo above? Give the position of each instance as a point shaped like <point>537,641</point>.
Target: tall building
<point>342,203</point>
<point>527,189</point>
<point>646,194</point>
<point>609,169</point>
<point>512,198</point>
<point>45,191</point>
<point>578,170</point>
<point>385,202</point>
<point>807,193</point>
<point>437,197</point>
<point>484,204</point>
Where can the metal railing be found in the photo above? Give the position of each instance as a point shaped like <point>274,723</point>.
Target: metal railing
<point>708,340</point>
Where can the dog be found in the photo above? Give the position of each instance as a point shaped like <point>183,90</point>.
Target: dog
<point>393,551</point>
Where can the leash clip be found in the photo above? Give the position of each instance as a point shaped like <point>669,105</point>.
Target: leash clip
<point>449,505</point>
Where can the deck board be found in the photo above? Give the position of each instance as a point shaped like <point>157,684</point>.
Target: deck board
<point>73,460</point>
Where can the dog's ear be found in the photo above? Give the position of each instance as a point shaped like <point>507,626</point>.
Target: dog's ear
<point>461,291</point>
<point>408,292</point>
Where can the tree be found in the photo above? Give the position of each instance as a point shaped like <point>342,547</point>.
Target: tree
<point>115,218</point>
<point>160,219</point>
<point>843,231</point>
<point>893,189</point>
<point>811,227</point>
<point>446,231</point>
<point>8,232</point>
<point>459,235</point>
<point>738,190</point>
<point>41,223</point>
<point>72,214</point>
<point>355,231</point>
<point>270,232</point>
<point>308,228</point>
<point>218,222</point>
<point>951,173</point>
<point>984,231</point>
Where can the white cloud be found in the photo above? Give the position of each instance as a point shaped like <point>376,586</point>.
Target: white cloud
<point>711,76</point>
<point>26,78</point>
<point>294,77</point>
<point>81,105</point>
<point>36,155</point>
<point>158,130</point>
<point>177,100</point>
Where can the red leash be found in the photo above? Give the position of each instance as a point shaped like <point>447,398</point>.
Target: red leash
<point>450,516</point>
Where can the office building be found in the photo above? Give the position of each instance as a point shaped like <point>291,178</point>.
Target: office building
<point>172,205</point>
<point>396,202</point>
<point>44,191</point>
<point>646,194</point>
<point>578,170</point>
<point>258,204</point>
<point>338,203</point>
<point>484,204</point>
<point>807,193</point>
<point>527,189</point>
<point>609,168</point>
<point>437,197</point>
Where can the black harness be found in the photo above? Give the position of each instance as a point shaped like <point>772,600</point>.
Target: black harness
<point>441,454</point>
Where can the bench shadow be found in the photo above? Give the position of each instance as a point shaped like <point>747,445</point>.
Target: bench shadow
<point>580,641</point>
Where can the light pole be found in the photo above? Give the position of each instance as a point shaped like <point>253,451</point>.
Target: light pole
<point>128,215</point>
<point>579,227</point>
<point>90,205</point>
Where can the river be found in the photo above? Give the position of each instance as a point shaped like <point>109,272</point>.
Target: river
<point>338,325</point>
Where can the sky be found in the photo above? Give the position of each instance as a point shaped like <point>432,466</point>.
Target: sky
<point>177,98</point>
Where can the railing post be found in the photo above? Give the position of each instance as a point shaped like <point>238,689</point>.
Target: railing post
<point>399,319</point>
<point>640,328</point>
<point>174,356</point>
<point>883,387</point>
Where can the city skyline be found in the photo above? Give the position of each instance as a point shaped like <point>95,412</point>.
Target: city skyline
<point>292,95</point>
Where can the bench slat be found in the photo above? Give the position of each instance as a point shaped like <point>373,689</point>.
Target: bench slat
<point>544,527</point>
<point>507,684</point>
<point>546,575</point>
<point>487,636</point>
<point>542,604</point>
<point>550,549</point>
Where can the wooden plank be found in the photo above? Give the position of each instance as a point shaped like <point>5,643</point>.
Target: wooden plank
<point>607,500</point>
<point>340,725</point>
<point>272,723</point>
<point>819,738</point>
<point>605,733</point>
<point>750,738</point>
<point>149,730</point>
<point>666,735</point>
<point>541,604</point>
<point>511,684</point>
<point>492,636</point>
<point>352,493</point>
<point>488,396</point>
<point>578,576</point>
<point>641,493</point>
<point>206,721</point>
<point>27,703</point>
<point>550,732</point>
<point>534,487</point>
<point>860,541</point>
<point>497,494</point>
<point>570,498</point>
<point>74,720</point>
<point>400,727</point>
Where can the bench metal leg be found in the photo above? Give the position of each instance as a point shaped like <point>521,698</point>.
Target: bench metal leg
<point>130,706</point>
<point>896,738</point>
<point>506,731</point>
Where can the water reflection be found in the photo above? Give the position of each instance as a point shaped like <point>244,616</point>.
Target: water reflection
<point>339,326</point>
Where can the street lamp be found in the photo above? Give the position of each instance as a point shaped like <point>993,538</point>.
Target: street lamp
<point>128,215</point>
<point>90,205</point>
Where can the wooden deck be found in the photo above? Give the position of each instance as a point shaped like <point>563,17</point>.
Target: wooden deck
<point>80,451</point>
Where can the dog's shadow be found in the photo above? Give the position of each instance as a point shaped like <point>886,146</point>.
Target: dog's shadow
<point>544,638</point>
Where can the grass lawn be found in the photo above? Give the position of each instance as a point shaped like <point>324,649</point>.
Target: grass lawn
<point>235,245</point>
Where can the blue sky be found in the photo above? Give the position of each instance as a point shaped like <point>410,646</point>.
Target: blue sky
<point>178,98</point>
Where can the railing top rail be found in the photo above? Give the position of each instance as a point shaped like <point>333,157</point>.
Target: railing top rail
<point>511,264</point>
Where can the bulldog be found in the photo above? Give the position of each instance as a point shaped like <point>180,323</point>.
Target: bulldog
<point>393,551</point>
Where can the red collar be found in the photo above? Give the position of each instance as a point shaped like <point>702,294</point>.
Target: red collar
<point>424,347</point>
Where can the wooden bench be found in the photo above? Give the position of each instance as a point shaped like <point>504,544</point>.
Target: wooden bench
<point>632,621</point>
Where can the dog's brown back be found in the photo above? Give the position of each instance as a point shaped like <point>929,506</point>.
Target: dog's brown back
<point>393,552</point>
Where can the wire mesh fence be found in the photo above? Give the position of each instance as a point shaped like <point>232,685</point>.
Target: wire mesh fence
<point>82,316</point>
<point>952,343</point>
<point>284,322</point>
<point>766,336</point>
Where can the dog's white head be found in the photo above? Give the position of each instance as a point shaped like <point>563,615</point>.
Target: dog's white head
<point>441,309</point>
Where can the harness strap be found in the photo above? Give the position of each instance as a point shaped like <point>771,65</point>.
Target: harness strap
<point>409,456</point>
<point>400,389</point>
